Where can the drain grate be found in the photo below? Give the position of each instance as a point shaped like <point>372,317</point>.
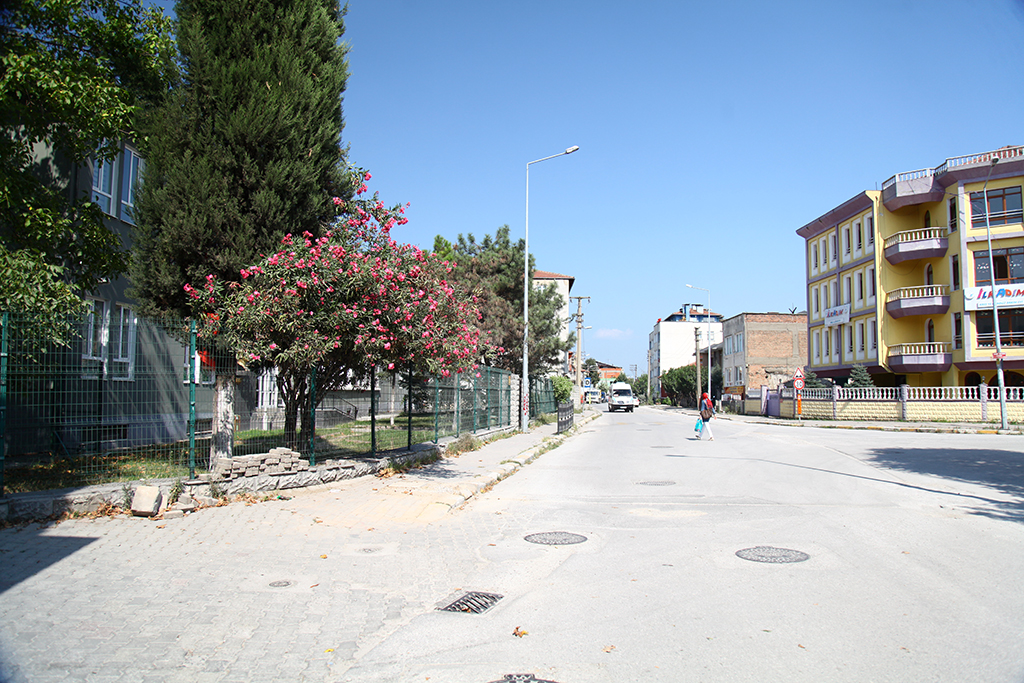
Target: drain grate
<point>473,602</point>
<point>369,550</point>
<point>663,482</point>
<point>280,584</point>
<point>766,553</point>
<point>521,678</point>
<point>555,538</point>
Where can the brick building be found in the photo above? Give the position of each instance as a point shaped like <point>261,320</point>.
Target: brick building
<point>762,349</point>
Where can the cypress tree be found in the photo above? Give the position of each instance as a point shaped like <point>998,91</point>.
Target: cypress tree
<point>247,148</point>
<point>859,377</point>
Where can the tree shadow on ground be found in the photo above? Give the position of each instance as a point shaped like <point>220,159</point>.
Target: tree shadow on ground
<point>998,469</point>
<point>26,551</point>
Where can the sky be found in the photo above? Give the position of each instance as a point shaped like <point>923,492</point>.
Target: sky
<point>708,132</point>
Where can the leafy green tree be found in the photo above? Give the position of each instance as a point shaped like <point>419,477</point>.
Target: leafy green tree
<point>246,150</point>
<point>640,386</point>
<point>75,74</point>
<point>493,269</point>
<point>562,387</point>
<point>683,387</point>
<point>591,370</point>
<point>859,377</point>
<point>622,378</point>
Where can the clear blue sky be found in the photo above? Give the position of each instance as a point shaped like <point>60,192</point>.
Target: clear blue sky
<point>708,132</point>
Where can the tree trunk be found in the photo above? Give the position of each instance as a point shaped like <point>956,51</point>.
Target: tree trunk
<point>223,418</point>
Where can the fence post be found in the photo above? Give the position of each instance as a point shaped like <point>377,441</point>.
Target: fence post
<point>437,405</point>
<point>835,401</point>
<point>408,401</point>
<point>312,415</point>
<point>983,397</point>
<point>458,405</point>
<point>3,397</point>
<point>474,403</point>
<point>904,397</point>
<point>192,400</point>
<point>373,411</point>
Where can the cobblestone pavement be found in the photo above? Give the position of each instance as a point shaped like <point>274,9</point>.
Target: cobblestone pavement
<point>283,590</point>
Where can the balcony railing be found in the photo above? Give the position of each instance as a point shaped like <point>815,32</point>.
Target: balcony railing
<point>920,357</point>
<point>916,236</point>
<point>916,244</point>
<point>925,291</point>
<point>951,163</point>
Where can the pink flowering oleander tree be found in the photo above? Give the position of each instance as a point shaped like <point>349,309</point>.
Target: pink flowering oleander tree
<point>346,303</point>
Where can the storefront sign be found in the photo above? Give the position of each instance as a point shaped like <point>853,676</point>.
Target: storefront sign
<point>837,315</point>
<point>980,298</point>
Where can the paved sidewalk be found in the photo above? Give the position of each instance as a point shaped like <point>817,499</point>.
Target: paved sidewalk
<point>428,493</point>
<point>878,425</point>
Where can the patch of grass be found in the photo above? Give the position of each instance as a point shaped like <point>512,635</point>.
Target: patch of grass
<point>394,468</point>
<point>59,473</point>
<point>464,444</point>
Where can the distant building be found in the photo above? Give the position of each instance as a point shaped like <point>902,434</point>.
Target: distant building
<point>563,285</point>
<point>609,372</point>
<point>762,349</point>
<point>892,288</point>
<point>673,342</point>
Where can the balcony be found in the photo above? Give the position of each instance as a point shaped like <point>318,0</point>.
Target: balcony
<point>916,244</point>
<point>927,300</point>
<point>920,357</point>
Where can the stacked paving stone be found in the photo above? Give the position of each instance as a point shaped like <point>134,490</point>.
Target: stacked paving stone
<point>278,462</point>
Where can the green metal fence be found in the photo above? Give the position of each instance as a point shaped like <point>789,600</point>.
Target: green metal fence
<point>542,396</point>
<point>124,398</point>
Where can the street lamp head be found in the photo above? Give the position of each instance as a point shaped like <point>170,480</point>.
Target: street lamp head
<point>572,149</point>
<point>995,160</point>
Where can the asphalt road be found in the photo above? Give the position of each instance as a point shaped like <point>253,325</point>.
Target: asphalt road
<point>914,570</point>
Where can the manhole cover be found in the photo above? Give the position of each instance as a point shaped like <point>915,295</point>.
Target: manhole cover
<point>280,584</point>
<point>473,602</point>
<point>555,538</point>
<point>369,550</point>
<point>521,678</point>
<point>657,483</point>
<point>766,553</point>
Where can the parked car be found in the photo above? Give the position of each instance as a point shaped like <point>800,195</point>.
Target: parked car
<point>621,397</point>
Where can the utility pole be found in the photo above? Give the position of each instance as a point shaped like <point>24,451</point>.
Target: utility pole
<point>579,338</point>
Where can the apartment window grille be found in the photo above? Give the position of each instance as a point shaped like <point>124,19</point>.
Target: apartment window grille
<point>954,217</point>
<point>958,331</point>
<point>954,265</point>
<point>1004,206</point>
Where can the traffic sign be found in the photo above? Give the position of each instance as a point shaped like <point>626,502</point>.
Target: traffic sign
<point>798,383</point>
<point>799,373</point>
<point>999,356</point>
<point>586,382</point>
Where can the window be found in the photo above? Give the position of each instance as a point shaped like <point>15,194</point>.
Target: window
<point>1004,206</point>
<point>122,343</point>
<point>929,275</point>
<point>929,331</point>
<point>832,252</point>
<point>869,224</point>
<point>103,185</point>
<point>817,302</point>
<point>824,254</point>
<point>954,265</point>
<point>858,236</point>
<point>838,345</point>
<point>958,331</point>
<point>847,289</point>
<point>824,338</point>
<point>816,347</point>
<point>860,339</point>
<point>849,340</point>
<point>828,302</point>
<point>814,257</point>
<point>953,214</point>
<point>133,167</point>
<point>860,287</point>
<point>873,333</point>
<point>871,283</point>
<point>1011,328</point>
<point>1008,264</point>
<point>927,219</point>
<point>846,241</point>
<point>93,331</point>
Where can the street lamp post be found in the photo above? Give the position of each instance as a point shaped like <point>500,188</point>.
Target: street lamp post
<point>995,308</point>
<point>708,316</point>
<point>524,415</point>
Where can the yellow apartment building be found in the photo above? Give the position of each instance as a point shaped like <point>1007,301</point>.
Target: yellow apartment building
<point>901,280</point>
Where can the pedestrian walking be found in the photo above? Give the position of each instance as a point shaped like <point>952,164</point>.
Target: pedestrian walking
<point>707,411</point>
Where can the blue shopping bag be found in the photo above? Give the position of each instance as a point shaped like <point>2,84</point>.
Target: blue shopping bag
<point>699,426</point>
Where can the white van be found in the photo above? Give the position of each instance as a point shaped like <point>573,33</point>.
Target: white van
<point>621,396</point>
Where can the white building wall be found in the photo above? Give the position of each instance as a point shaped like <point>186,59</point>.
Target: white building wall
<point>673,345</point>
